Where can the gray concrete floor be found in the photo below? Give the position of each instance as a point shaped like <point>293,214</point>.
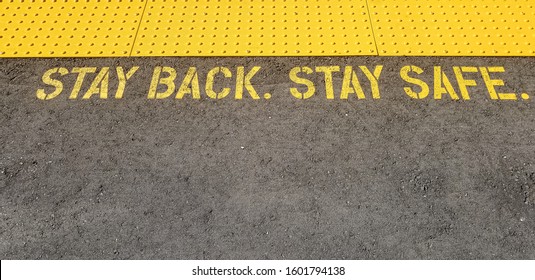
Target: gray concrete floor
<point>393,178</point>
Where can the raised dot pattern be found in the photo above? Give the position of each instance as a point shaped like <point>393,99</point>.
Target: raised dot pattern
<point>100,28</point>
<point>255,28</point>
<point>455,27</point>
<point>68,28</point>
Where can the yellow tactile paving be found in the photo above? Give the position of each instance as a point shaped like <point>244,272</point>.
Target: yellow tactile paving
<point>454,27</point>
<point>255,27</point>
<point>68,28</point>
<point>96,28</point>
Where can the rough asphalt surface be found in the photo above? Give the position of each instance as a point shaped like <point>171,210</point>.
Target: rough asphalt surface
<point>394,178</point>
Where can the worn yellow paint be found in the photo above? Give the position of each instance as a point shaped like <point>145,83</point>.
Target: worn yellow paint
<point>100,28</point>
<point>168,81</point>
<point>48,80</point>
<point>404,74</point>
<point>374,79</point>
<point>463,82</point>
<point>82,72</point>
<point>328,76</point>
<point>99,82</point>
<point>94,83</point>
<point>190,85</point>
<point>210,83</point>
<point>99,85</point>
<point>311,89</point>
<point>244,81</point>
<point>491,83</point>
<point>123,78</point>
<point>440,79</point>
<point>351,84</point>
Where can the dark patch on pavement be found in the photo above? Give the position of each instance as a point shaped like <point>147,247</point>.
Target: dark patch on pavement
<point>394,178</point>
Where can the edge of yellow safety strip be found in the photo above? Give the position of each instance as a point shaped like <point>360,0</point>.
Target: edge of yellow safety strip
<point>122,28</point>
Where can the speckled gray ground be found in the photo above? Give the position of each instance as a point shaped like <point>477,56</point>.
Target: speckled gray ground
<point>269,179</point>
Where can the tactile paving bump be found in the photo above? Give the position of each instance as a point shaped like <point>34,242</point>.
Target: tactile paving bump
<point>255,28</point>
<point>67,28</point>
<point>454,27</point>
<point>91,28</point>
